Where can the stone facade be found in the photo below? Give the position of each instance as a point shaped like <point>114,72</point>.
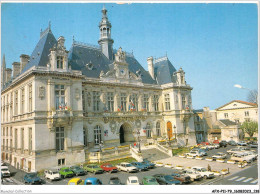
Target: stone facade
<point>54,114</point>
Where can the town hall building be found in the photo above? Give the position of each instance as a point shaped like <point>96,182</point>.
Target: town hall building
<point>59,105</point>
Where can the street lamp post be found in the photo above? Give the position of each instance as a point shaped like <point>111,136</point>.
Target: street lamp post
<point>169,137</point>
<point>138,138</point>
<point>100,146</point>
<point>251,91</point>
<point>174,127</point>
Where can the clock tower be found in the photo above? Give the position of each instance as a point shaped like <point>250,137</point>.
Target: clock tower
<point>120,65</point>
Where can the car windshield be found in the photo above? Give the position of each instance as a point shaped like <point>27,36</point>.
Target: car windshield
<point>128,165</point>
<point>93,166</point>
<point>114,182</point>
<point>66,170</point>
<point>109,165</point>
<point>55,172</point>
<point>133,181</point>
<point>151,180</point>
<point>4,169</point>
<point>32,175</point>
<point>193,152</point>
<point>88,183</point>
<point>76,168</point>
<point>169,178</point>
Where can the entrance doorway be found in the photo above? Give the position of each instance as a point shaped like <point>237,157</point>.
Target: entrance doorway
<point>126,133</point>
<point>29,166</point>
<point>169,129</point>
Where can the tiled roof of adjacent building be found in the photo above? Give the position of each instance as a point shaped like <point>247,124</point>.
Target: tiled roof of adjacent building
<point>227,122</point>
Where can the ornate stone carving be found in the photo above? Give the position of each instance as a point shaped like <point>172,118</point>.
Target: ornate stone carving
<point>41,92</point>
<point>77,94</point>
<point>113,126</point>
<point>138,123</point>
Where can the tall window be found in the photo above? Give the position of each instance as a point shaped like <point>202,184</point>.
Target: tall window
<point>123,101</point>
<point>60,62</point>
<point>16,103</point>
<point>22,140</point>
<point>59,138</point>
<point>7,131</point>
<point>110,101</point>
<point>146,102</point>
<point>97,135</point>
<point>156,102</point>
<point>22,101</point>
<point>133,102</point>
<point>148,130</point>
<point>15,139</point>
<point>167,101</point>
<point>30,141</point>
<point>83,101</point>
<point>30,98</point>
<point>60,96</point>
<point>198,127</point>
<point>183,101</point>
<point>96,100</point>
<point>246,113</point>
<point>11,106</point>
<point>226,115</point>
<point>85,137</point>
<point>158,129</point>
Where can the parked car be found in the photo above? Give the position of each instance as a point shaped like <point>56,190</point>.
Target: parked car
<point>219,155</point>
<point>140,166</point>
<point>76,181</point>
<point>211,146</point>
<point>127,167</point>
<point>32,178</point>
<point>216,145</point>
<point>233,150</point>
<point>5,171</point>
<point>107,167</point>
<point>148,164</point>
<point>223,143</point>
<point>66,172</point>
<point>242,143</point>
<point>240,157</point>
<point>216,141</point>
<point>92,181</point>
<point>194,153</point>
<point>149,180</point>
<point>181,177</point>
<point>93,168</point>
<point>52,175</point>
<point>253,145</point>
<point>78,170</point>
<point>203,172</point>
<point>114,181</point>
<point>163,179</point>
<point>132,180</point>
<point>193,174</point>
<point>250,154</point>
<point>232,142</point>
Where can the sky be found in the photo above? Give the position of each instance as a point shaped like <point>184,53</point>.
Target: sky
<point>215,44</point>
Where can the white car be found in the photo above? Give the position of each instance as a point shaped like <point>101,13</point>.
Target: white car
<point>233,150</point>
<point>132,180</point>
<point>240,157</point>
<point>203,172</point>
<point>250,154</point>
<point>195,153</point>
<point>52,175</point>
<point>216,145</point>
<point>192,174</point>
<point>219,155</point>
<point>242,143</point>
<point>5,171</point>
<point>211,146</point>
<point>127,167</point>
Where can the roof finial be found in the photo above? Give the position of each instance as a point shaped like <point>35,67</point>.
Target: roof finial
<point>104,6</point>
<point>49,25</point>
<point>73,39</point>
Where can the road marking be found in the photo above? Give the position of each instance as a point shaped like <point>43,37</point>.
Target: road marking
<point>233,178</point>
<point>8,180</point>
<point>249,179</point>
<point>255,181</point>
<point>240,179</point>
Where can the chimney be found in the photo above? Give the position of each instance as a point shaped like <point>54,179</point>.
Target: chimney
<point>8,74</point>
<point>16,69</point>
<point>24,59</point>
<point>150,66</point>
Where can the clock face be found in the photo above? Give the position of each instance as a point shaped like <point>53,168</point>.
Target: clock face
<point>122,71</point>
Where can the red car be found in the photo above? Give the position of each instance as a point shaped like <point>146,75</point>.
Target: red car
<point>204,143</point>
<point>216,141</point>
<point>108,167</point>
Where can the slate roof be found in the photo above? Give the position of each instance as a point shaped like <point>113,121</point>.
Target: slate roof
<point>163,70</point>
<point>80,55</point>
<point>227,122</point>
<point>39,56</point>
<point>198,110</point>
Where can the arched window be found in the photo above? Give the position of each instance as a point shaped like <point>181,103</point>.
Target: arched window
<point>148,130</point>
<point>158,129</point>
<point>85,137</point>
<point>97,135</point>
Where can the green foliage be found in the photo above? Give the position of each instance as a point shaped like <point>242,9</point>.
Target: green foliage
<point>250,127</point>
<point>180,151</point>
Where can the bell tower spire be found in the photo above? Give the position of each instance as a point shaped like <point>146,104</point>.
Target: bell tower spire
<point>105,41</point>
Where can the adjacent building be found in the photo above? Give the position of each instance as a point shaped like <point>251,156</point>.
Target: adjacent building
<point>59,105</point>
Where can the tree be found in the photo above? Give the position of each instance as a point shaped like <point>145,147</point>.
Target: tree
<point>253,96</point>
<point>249,127</point>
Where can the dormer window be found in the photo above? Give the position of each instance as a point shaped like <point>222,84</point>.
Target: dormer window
<point>60,61</point>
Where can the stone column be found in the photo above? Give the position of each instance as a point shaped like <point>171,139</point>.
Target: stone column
<point>140,101</point>
<point>51,95</point>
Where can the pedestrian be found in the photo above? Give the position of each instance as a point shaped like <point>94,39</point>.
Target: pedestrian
<point>209,168</point>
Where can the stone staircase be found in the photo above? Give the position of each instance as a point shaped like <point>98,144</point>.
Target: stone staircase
<point>154,154</point>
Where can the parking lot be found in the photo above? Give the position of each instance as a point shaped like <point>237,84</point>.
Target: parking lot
<point>17,175</point>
